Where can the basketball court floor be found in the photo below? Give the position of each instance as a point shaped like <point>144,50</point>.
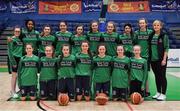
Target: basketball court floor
<point>172,103</point>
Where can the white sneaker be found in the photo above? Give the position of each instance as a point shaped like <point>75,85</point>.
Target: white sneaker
<point>14,95</point>
<point>156,96</point>
<point>162,97</point>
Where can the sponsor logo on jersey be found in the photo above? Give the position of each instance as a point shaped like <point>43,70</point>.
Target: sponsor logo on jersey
<point>85,61</point>
<point>66,63</point>
<point>102,64</point>
<point>30,64</point>
<point>78,43</point>
<point>94,38</point>
<point>128,41</point>
<point>45,43</point>
<point>48,64</point>
<point>136,65</point>
<point>154,42</point>
<point>143,37</point>
<point>30,35</point>
<point>61,38</point>
<point>109,39</point>
<point>120,65</point>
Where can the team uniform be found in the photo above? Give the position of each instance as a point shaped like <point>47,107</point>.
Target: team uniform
<point>142,39</point>
<point>66,73</point>
<point>120,77</point>
<point>15,51</point>
<point>61,38</point>
<point>127,41</point>
<point>159,45</point>
<point>31,37</point>
<point>83,74</point>
<point>76,43</point>
<point>48,77</point>
<point>27,75</point>
<point>43,42</point>
<point>138,75</point>
<point>111,41</point>
<point>94,39</point>
<point>102,73</point>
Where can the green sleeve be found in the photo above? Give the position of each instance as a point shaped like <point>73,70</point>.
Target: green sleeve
<point>145,77</point>
<point>19,72</point>
<point>166,43</point>
<point>10,55</point>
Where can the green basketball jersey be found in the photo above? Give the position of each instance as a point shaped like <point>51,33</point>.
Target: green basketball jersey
<point>76,41</point>
<point>142,40</point>
<point>27,71</point>
<point>61,38</point>
<point>127,41</point>
<point>31,37</point>
<point>120,72</point>
<point>94,40</point>
<point>83,64</point>
<point>102,68</point>
<point>110,41</point>
<point>66,67</point>
<point>48,68</point>
<point>138,70</point>
<point>44,41</point>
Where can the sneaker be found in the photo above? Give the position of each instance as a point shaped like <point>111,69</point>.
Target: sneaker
<point>156,96</point>
<point>14,95</point>
<point>162,97</point>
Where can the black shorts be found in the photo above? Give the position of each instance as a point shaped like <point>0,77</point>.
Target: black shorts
<point>48,89</point>
<point>82,85</point>
<point>120,93</point>
<point>66,85</point>
<point>103,87</point>
<point>25,90</point>
<point>135,86</point>
<point>14,68</point>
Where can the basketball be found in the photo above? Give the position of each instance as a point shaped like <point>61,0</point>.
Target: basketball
<point>63,99</point>
<point>136,98</point>
<point>101,99</point>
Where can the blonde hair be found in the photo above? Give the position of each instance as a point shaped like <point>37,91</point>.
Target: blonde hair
<point>158,21</point>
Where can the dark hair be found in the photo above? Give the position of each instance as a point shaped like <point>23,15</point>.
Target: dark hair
<point>29,44</point>
<point>89,52</point>
<point>90,27</point>
<point>42,33</point>
<point>145,22</point>
<point>63,22</point>
<point>26,22</point>
<point>129,25</point>
<point>101,44</point>
<point>64,45</point>
<point>79,25</point>
<point>114,30</point>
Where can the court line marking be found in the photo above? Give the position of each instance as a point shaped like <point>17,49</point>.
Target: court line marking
<point>129,106</point>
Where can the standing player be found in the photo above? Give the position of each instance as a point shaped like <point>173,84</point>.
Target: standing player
<point>45,39</point>
<point>77,39</point>
<point>138,71</point>
<point>110,38</point>
<point>127,40</point>
<point>83,72</point>
<point>94,37</point>
<point>102,71</point>
<point>62,37</point>
<point>30,35</point>
<point>27,74</point>
<point>66,72</point>
<point>48,74</point>
<point>142,39</point>
<point>159,54</point>
<point>15,50</point>
<point>120,75</point>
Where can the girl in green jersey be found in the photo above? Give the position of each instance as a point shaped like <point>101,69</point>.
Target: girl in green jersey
<point>27,74</point>
<point>48,74</point>
<point>83,72</point>
<point>15,50</point>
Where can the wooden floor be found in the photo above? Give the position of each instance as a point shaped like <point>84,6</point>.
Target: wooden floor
<point>78,106</point>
